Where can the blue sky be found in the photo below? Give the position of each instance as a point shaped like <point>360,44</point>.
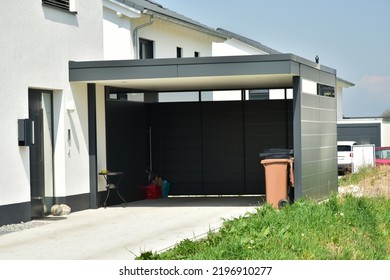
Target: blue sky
<point>352,37</point>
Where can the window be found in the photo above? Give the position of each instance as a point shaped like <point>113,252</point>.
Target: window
<point>146,49</point>
<point>179,52</point>
<point>324,90</point>
<point>124,96</point>
<point>258,94</point>
<point>196,54</point>
<point>61,4</point>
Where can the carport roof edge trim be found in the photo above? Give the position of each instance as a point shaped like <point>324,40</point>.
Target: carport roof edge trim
<point>130,72</point>
<point>198,60</point>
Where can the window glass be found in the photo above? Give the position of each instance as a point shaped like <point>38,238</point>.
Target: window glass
<point>146,49</point>
<point>344,148</point>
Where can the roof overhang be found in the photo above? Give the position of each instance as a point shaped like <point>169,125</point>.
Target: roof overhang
<point>344,83</point>
<point>205,73</point>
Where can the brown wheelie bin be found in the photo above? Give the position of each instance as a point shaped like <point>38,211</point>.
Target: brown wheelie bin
<point>279,176</point>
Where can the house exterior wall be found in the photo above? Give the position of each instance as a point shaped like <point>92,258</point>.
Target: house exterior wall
<point>118,42</point>
<point>234,47</point>
<point>40,41</point>
<point>167,37</point>
<point>340,103</point>
<point>119,36</point>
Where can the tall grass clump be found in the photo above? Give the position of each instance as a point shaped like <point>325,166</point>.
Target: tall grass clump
<point>362,174</point>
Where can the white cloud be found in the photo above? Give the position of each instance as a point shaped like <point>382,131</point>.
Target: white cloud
<point>376,85</point>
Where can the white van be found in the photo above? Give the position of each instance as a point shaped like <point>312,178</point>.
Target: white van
<point>345,156</point>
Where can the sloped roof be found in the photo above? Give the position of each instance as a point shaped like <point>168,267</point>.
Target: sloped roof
<point>150,6</point>
<point>248,41</point>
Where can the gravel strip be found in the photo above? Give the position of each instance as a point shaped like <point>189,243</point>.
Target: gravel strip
<point>20,226</point>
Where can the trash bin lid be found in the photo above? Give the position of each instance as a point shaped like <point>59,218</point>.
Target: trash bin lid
<point>277,153</point>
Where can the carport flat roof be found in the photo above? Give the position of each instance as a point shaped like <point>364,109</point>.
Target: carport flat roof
<point>201,73</point>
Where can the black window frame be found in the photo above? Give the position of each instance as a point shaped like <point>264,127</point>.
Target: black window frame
<point>179,52</point>
<point>63,5</point>
<point>149,52</point>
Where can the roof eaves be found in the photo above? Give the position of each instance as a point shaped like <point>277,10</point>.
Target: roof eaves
<point>149,6</point>
<point>344,83</point>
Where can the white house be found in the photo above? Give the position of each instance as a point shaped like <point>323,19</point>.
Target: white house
<point>83,87</point>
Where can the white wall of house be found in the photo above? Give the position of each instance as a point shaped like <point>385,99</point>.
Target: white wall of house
<point>120,22</point>
<point>234,47</point>
<point>101,134</point>
<point>118,40</point>
<point>38,43</point>
<point>340,103</point>
<point>167,37</point>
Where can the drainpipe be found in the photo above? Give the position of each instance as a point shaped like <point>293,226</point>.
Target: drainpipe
<point>135,33</point>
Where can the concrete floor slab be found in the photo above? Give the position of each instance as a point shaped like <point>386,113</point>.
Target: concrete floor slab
<point>121,233</point>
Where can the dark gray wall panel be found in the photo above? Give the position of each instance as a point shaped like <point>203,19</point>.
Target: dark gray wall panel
<point>213,147</point>
<point>127,149</point>
<point>177,150</point>
<point>319,146</point>
<point>223,148</point>
<point>268,124</point>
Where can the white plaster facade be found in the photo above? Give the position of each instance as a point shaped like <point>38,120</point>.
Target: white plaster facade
<point>38,43</point>
<point>120,22</point>
<point>235,47</point>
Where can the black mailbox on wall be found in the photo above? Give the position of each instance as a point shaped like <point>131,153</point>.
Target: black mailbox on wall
<point>26,132</point>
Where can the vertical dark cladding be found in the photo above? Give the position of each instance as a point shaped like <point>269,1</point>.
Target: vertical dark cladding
<point>92,150</point>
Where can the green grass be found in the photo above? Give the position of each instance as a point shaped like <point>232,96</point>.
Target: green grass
<point>342,228</point>
<point>347,228</point>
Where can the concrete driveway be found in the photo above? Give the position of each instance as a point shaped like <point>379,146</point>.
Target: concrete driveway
<point>121,233</point>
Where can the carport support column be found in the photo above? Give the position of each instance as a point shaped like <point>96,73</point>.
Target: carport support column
<point>92,147</point>
<point>297,136</point>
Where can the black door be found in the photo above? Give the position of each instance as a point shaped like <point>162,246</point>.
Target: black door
<point>41,165</point>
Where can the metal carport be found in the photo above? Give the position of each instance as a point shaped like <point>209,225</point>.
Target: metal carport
<point>311,117</point>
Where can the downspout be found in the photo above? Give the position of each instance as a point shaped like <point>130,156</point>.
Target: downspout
<point>135,34</point>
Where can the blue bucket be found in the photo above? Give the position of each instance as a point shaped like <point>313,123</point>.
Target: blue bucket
<point>165,188</point>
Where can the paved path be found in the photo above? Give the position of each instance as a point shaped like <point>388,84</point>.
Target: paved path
<point>120,233</point>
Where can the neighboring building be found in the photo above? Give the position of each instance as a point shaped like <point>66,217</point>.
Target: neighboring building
<point>130,85</point>
<point>365,130</point>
